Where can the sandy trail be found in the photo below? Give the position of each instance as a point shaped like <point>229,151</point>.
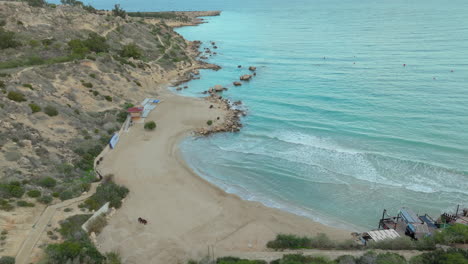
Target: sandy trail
<point>186,214</point>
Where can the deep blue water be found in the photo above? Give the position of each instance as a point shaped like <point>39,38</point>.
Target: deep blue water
<point>338,129</point>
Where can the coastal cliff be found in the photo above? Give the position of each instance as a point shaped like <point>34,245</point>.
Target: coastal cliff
<point>67,73</point>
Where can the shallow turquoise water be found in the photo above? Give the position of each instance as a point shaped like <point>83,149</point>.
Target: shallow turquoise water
<point>338,129</point>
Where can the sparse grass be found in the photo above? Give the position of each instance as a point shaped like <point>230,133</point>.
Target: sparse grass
<point>97,224</point>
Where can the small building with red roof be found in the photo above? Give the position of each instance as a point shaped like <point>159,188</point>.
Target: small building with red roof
<point>135,112</point>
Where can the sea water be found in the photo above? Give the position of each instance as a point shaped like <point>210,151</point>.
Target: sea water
<point>357,106</point>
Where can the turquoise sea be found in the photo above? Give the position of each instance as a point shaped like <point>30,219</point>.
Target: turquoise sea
<point>337,128</point>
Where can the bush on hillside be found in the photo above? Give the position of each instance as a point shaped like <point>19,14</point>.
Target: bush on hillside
<point>7,260</point>
<point>106,192</point>
<point>73,252</point>
<point>451,256</point>
<point>46,199</point>
<point>36,3</point>
<point>209,122</point>
<point>131,51</point>
<point>47,182</point>
<point>50,110</point>
<point>34,193</point>
<point>457,233</point>
<point>151,125</point>
<point>117,11</point>
<point>108,98</point>
<point>12,189</point>
<point>16,96</point>
<point>35,108</point>
<point>70,228</point>
<point>22,203</point>
<point>8,39</point>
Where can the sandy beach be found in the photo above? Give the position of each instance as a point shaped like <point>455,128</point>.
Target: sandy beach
<point>186,214</point>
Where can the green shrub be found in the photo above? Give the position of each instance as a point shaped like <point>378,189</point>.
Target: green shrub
<point>7,260</point>
<point>451,256</point>
<point>72,252</point>
<point>95,93</point>
<point>16,96</point>
<point>78,47</point>
<point>34,193</point>
<point>87,84</point>
<point>457,233</point>
<point>106,192</point>
<point>122,116</point>
<point>66,195</point>
<point>50,110</point>
<point>96,43</point>
<point>35,108</point>
<point>22,203</point>
<point>56,194</point>
<point>5,205</point>
<point>46,199</point>
<point>117,11</point>
<point>137,83</point>
<point>47,182</point>
<point>113,258</point>
<point>11,190</point>
<point>108,98</point>
<point>151,125</point>
<point>403,243</point>
<point>47,42</point>
<point>131,51</point>
<point>8,39</point>
<point>209,122</point>
<point>284,241</point>
<point>36,3</point>
<point>92,75</point>
<point>2,23</point>
<point>70,228</point>
<point>28,85</point>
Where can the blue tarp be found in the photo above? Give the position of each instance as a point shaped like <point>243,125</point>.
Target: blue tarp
<point>409,216</point>
<point>113,141</point>
<point>156,101</point>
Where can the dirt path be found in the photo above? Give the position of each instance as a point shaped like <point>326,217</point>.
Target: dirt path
<point>39,226</point>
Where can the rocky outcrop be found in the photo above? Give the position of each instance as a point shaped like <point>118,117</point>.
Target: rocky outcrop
<point>246,77</point>
<point>231,120</point>
<point>237,83</point>
<point>252,68</point>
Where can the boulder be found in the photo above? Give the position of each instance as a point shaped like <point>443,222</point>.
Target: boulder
<point>239,66</point>
<point>252,68</point>
<point>237,83</point>
<point>246,77</point>
<point>179,88</point>
<point>218,88</point>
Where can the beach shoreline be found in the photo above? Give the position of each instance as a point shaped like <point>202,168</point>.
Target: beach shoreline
<point>186,213</point>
